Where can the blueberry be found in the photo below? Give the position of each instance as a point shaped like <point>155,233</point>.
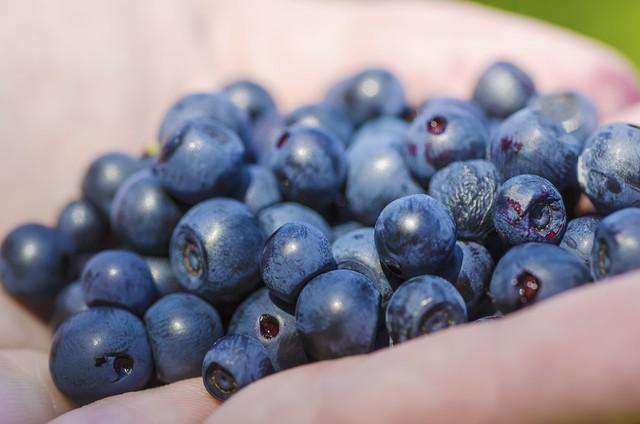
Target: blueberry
<point>119,278</point>
<point>344,228</point>
<point>310,164</point>
<point>143,215</point>
<point>375,180</point>
<point>529,142</point>
<point>337,315</point>
<point>357,251</point>
<point>503,89</point>
<point>529,208</point>
<point>448,102</point>
<point>377,134</point>
<point>104,177</point>
<point>440,135</point>
<point>414,235</point>
<point>216,107</point>
<point>272,324</point>
<point>532,272</point>
<point>181,328</point>
<point>292,256</point>
<point>34,261</point>
<point>265,135</point>
<point>215,250</point>
<point>616,248</point>
<point>468,190</point>
<point>423,305</point>
<point>263,189</point>
<point>100,352</point>
<point>69,301</point>
<point>322,115</point>
<point>368,94</point>
<point>578,238</point>
<point>252,98</point>
<point>84,225</point>
<point>608,167</point>
<point>202,159</point>
<point>469,269</point>
<point>234,362</point>
<point>276,216</point>
<point>575,112</point>
<point>164,278</point>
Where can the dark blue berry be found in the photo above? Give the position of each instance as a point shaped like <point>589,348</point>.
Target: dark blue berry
<point>100,352</point>
<point>503,89</point>
<point>234,362</point>
<point>277,215</point>
<point>423,305</point>
<point>578,238</point>
<point>69,301</point>
<point>414,235</point>
<point>119,278</point>
<point>574,111</point>
<point>322,115</point>
<point>252,98</point>
<point>182,328</point>
<point>84,225</point>
<point>532,272</point>
<point>164,278</point>
<point>616,248</point>
<point>262,189</point>
<point>215,250</point>
<point>292,256</point>
<point>337,315</point>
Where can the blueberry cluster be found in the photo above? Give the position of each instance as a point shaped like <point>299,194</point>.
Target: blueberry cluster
<point>251,242</point>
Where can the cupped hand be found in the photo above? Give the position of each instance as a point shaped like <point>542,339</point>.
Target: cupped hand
<point>81,78</point>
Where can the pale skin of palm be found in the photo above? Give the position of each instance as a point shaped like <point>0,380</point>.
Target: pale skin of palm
<point>80,78</point>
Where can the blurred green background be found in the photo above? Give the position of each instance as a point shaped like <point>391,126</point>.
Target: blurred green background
<point>615,22</point>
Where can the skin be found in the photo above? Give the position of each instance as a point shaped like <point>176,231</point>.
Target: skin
<point>105,84</point>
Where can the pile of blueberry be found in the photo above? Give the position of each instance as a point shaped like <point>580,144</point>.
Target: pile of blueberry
<point>251,242</point>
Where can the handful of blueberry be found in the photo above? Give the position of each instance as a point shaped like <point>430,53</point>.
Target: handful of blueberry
<point>254,242</point>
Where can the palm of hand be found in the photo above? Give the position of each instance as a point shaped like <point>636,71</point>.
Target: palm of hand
<point>107,88</point>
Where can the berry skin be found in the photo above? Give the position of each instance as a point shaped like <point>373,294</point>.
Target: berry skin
<point>375,179</point>
<point>532,272</point>
<point>100,352</point>
<point>310,165</point>
<point>468,190</point>
<point>262,190</point>
<point>277,215</point>
<point>529,142</point>
<point>469,269</point>
<point>578,238</point>
<point>215,250</point>
<point>273,324</point>
<point>503,89</point>
<point>202,159</point>
<point>212,107</point>
<point>181,328</point>
<point>322,115</point>
<point>337,315</point>
<point>529,208</point>
<point>292,256</point>
<point>423,305</point>
<point>608,167</point>
<point>84,225</point>
<point>448,102</point>
<point>143,215</point>
<point>105,175</point>
<point>616,248</point>
<point>356,251</point>
<point>414,235</point>
<point>375,135</point>
<point>575,112</point>
<point>440,135</point>
<point>344,228</point>
<point>118,278</point>
<point>252,98</point>
<point>34,261</point>
<point>232,363</point>
<point>69,301</point>
<point>367,95</point>
<point>164,278</point>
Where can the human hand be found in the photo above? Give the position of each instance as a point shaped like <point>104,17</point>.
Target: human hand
<point>106,82</point>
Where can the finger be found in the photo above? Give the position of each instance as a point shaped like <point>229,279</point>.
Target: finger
<point>27,393</point>
<point>19,328</point>
<point>568,359</point>
<point>186,401</point>
<point>436,47</point>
